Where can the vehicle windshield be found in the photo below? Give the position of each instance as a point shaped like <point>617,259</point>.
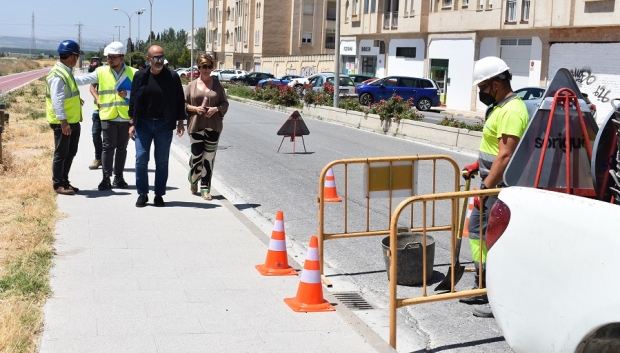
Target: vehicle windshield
<point>344,81</point>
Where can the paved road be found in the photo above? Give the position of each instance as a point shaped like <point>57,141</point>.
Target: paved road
<point>10,82</point>
<point>260,181</point>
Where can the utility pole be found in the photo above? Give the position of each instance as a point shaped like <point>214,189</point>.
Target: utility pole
<point>191,55</point>
<point>113,37</point>
<point>151,24</point>
<point>80,44</point>
<point>33,43</point>
<point>119,32</point>
<point>337,53</point>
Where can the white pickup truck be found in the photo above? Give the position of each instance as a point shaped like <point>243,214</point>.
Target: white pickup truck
<point>553,271</point>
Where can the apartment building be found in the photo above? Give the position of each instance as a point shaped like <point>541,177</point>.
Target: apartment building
<point>442,40</point>
<point>240,33</point>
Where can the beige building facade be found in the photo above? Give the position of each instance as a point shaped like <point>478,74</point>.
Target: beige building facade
<point>437,39</point>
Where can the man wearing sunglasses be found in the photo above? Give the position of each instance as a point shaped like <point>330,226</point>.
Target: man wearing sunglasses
<point>156,108</point>
<point>64,113</point>
<point>505,122</point>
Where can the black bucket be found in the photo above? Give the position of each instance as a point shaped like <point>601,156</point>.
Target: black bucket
<point>410,266</point>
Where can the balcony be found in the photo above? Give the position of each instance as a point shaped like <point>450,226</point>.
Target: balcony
<point>390,20</point>
<point>330,45</point>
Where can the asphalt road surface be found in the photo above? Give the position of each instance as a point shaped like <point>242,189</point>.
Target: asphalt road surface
<point>10,82</point>
<point>260,181</point>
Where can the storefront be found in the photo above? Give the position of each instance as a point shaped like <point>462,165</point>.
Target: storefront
<point>372,61</point>
<point>451,60</point>
<point>347,54</point>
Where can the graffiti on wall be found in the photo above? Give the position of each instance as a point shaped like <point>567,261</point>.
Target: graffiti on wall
<point>584,76</point>
<point>308,71</point>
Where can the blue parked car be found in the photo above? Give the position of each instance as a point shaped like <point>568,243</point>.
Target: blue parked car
<point>276,82</point>
<point>425,92</point>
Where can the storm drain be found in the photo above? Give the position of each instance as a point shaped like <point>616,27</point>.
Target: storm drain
<point>353,301</point>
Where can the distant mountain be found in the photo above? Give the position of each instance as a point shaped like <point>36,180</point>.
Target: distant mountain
<point>47,43</point>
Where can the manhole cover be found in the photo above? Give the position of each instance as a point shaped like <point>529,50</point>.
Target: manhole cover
<point>353,301</point>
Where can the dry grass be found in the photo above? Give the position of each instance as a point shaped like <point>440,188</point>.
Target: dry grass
<point>27,220</point>
<point>15,65</point>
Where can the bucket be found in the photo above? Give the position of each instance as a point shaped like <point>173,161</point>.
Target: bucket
<point>410,266</point>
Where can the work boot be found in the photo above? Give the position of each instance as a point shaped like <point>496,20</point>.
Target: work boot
<point>478,299</point>
<point>105,184</point>
<point>69,186</point>
<point>483,311</point>
<point>159,201</point>
<point>96,163</point>
<point>62,190</point>
<point>120,183</point>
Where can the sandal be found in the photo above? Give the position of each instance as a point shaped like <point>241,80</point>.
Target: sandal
<point>206,195</point>
<point>193,189</point>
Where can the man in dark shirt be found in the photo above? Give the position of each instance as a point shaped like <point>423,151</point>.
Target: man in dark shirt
<point>156,106</point>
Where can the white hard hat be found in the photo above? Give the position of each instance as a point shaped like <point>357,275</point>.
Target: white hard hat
<point>489,67</point>
<point>105,51</point>
<point>115,48</point>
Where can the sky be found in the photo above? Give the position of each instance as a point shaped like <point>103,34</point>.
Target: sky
<point>59,18</point>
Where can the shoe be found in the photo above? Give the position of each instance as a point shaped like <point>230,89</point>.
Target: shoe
<point>69,186</point>
<point>120,183</point>
<point>479,299</point>
<point>483,311</point>
<point>193,189</point>
<point>105,184</point>
<point>142,200</point>
<point>206,195</point>
<point>63,190</point>
<point>159,201</point>
<point>95,164</point>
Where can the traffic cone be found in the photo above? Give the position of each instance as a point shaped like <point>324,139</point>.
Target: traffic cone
<point>470,207</point>
<point>276,263</point>
<point>310,291</point>
<point>330,193</point>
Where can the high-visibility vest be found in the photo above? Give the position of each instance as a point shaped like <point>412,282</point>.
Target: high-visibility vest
<point>72,104</point>
<point>111,105</point>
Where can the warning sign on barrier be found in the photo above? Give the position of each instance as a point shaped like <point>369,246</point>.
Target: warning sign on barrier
<point>292,127</point>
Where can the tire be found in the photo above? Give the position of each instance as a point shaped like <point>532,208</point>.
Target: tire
<point>366,99</point>
<point>424,104</point>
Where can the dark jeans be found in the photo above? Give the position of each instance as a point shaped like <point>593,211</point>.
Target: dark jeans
<point>97,142</point>
<point>146,132</point>
<point>115,139</point>
<point>65,148</point>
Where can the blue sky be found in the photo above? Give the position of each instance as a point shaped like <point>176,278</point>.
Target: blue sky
<point>58,19</point>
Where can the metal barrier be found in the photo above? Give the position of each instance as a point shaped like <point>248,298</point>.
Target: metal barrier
<point>387,177</point>
<point>454,198</point>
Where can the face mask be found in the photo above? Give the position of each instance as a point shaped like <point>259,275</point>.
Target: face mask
<point>486,98</point>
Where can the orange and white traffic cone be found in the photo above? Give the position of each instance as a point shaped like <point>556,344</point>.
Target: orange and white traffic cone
<point>330,193</point>
<point>470,207</point>
<point>310,291</point>
<point>276,263</point>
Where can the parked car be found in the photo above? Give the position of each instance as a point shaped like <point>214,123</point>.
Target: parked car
<point>95,62</point>
<point>216,72</point>
<point>299,82</point>
<point>226,75</point>
<point>251,79</point>
<point>185,73</point>
<point>361,78</point>
<point>346,88</point>
<point>532,97</point>
<point>551,271</point>
<point>276,82</point>
<point>425,92</point>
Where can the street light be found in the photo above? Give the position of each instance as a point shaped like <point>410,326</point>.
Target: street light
<point>129,17</point>
<point>151,24</point>
<point>138,39</point>
<point>119,31</point>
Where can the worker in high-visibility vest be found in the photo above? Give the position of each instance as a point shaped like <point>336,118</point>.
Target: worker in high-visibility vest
<point>505,123</point>
<point>113,102</point>
<point>64,113</point>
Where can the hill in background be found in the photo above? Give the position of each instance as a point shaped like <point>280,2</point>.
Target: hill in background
<point>44,44</point>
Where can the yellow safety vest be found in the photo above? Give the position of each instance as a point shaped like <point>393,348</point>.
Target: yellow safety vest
<point>111,105</point>
<point>72,104</point>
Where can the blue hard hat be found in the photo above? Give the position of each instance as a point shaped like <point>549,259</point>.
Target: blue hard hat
<point>68,47</point>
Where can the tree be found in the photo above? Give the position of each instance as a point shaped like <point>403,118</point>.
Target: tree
<point>200,40</point>
<point>184,60</point>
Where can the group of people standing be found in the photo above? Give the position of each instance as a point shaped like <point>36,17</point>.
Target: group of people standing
<point>145,106</point>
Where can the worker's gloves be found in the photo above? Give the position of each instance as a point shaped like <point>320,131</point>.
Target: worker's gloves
<point>470,170</point>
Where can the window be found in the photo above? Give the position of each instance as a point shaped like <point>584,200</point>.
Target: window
<point>511,10</point>
<point>257,37</point>
<point>407,52</point>
<point>447,3</point>
<point>308,9</point>
<point>426,84</point>
<point>525,10</point>
<point>465,3</point>
<point>356,7</point>
<point>373,6</point>
<point>366,6</point>
<point>407,82</point>
<point>412,10</point>
<point>306,38</point>
<point>346,12</point>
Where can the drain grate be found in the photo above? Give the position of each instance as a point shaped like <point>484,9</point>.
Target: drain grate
<point>353,301</point>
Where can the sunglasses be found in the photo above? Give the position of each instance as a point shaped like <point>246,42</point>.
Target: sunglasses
<point>483,88</point>
<point>114,57</point>
<point>206,67</point>
<point>158,58</point>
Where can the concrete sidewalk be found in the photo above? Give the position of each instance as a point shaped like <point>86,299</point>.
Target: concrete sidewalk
<point>175,279</point>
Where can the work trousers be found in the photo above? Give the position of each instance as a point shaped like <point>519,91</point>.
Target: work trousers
<point>115,139</point>
<point>96,131</point>
<point>65,149</point>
